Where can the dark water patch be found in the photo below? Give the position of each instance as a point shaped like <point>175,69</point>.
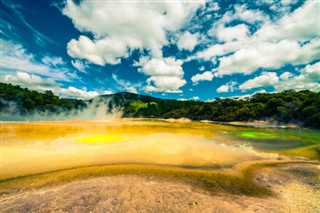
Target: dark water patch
<point>273,144</point>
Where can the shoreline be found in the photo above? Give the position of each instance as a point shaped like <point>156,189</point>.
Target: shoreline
<point>261,124</point>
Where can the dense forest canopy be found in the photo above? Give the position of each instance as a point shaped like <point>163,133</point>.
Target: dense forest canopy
<point>301,107</point>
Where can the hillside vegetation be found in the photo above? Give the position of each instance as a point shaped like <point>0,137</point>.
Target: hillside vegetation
<point>301,107</point>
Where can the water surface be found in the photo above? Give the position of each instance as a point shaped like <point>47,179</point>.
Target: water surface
<point>35,147</point>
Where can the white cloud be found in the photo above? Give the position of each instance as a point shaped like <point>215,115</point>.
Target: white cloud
<point>229,87</point>
<point>166,75</point>
<point>188,41</point>
<point>195,98</point>
<point>300,25</point>
<point>223,88</point>
<point>125,85</point>
<point>202,68</point>
<point>73,92</point>
<point>79,65</point>
<point>182,99</point>
<point>107,92</point>
<point>169,84</point>
<point>35,82</point>
<point>269,55</point>
<point>101,52</point>
<point>15,58</point>
<point>228,34</point>
<point>293,39</point>
<point>13,32</point>
<point>119,27</point>
<point>250,16</point>
<point>142,61</point>
<point>241,13</point>
<point>307,79</point>
<point>55,61</point>
<point>285,76</point>
<point>281,7</point>
<point>206,76</point>
<point>163,67</point>
<point>215,6</point>
<point>265,79</point>
<point>30,81</point>
<point>212,7</point>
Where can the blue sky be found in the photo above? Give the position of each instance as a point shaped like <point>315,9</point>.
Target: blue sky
<point>196,50</point>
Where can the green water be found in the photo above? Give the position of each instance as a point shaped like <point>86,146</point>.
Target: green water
<point>292,142</point>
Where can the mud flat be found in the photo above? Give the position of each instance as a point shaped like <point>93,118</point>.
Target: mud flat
<point>293,187</point>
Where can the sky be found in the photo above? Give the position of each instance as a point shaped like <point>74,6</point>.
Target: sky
<point>186,50</point>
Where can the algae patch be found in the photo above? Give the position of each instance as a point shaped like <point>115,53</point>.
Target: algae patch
<point>257,135</point>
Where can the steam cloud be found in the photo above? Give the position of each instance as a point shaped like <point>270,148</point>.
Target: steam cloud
<point>97,109</point>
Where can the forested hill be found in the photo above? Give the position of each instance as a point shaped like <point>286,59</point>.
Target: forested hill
<point>301,107</point>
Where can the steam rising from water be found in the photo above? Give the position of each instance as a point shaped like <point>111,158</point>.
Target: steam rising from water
<point>95,110</point>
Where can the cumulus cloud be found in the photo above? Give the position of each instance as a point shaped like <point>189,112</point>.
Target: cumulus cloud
<point>119,27</point>
<point>229,87</point>
<point>223,88</point>
<point>307,79</point>
<point>301,25</point>
<point>268,55</point>
<point>265,79</point>
<point>73,92</point>
<point>293,39</point>
<point>188,41</point>
<point>163,67</point>
<point>99,52</point>
<point>30,81</point>
<point>166,75</point>
<point>285,76</point>
<point>169,84</point>
<point>228,34</point>
<point>206,76</point>
<point>241,13</point>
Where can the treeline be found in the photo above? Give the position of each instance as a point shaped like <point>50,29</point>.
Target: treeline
<point>14,99</point>
<point>301,107</point>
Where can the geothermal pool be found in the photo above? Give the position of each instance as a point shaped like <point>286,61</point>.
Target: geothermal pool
<point>34,147</point>
<point>216,158</point>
